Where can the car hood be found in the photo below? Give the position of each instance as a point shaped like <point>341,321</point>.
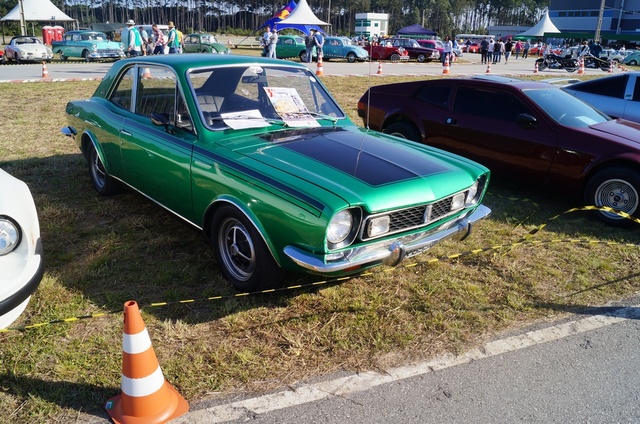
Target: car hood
<point>32,48</point>
<point>621,128</point>
<point>361,166</point>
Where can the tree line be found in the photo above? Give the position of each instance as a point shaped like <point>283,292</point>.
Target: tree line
<point>446,17</point>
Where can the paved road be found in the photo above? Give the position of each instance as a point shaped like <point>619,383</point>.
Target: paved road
<point>472,66</point>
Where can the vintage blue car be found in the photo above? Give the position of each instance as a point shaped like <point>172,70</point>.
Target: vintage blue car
<point>257,155</point>
<point>88,45</point>
<point>343,48</point>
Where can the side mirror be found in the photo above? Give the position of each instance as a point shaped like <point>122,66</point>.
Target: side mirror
<point>525,120</point>
<point>162,120</point>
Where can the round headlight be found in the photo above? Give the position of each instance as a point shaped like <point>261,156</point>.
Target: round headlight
<point>9,236</point>
<point>339,227</point>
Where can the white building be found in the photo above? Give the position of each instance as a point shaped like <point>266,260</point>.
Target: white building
<point>370,24</point>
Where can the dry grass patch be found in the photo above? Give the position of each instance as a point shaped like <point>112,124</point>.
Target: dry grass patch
<point>101,252</point>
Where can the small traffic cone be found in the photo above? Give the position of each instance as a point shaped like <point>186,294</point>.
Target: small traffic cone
<point>581,66</point>
<point>535,68</point>
<point>610,68</point>
<point>488,69</point>
<point>146,396</point>
<point>45,73</point>
<point>445,67</point>
<point>379,68</point>
<point>319,70</point>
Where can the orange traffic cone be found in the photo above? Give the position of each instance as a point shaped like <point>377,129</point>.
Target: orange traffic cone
<point>581,66</point>
<point>146,396</point>
<point>535,69</point>
<point>146,73</point>
<point>488,69</point>
<point>610,68</point>
<point>379,68</point>
<point>45,73</point>
<point>445,67</point>
<point>319,70</point>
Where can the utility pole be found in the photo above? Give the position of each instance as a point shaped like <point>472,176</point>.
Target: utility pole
<point>599,26</point>
<point>23,21</point>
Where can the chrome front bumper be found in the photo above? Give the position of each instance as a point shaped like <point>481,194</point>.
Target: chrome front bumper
<point>388,252</point>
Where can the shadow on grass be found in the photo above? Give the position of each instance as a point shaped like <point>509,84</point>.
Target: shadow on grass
<point>84,398</point>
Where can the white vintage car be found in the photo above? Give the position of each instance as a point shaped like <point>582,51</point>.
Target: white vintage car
<point>24,48</point>
<point>21,256</point>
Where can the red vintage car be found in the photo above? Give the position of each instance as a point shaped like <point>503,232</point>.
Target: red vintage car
<point>384,51</point>
<point>528,131</point>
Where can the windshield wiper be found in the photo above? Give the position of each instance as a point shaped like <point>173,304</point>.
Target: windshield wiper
<point>333,119</point>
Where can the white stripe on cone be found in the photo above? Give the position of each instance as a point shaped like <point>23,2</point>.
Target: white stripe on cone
<point>138,387</point>
<point>136,343</point>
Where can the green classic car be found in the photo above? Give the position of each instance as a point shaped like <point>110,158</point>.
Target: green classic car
<point>290,46</point>
<point>88,45</point>
<point>256,154</point>
<point>204,43</point>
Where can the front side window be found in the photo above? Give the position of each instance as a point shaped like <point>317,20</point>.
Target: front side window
<point>564,108</point>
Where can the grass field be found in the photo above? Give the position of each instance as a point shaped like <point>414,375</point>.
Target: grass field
<point>101,252</point>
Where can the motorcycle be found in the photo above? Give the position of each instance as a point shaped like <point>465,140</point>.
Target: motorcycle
<point>554,61</point>
<point>593,62</point>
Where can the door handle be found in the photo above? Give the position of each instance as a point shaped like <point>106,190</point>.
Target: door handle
<point>124,132</point>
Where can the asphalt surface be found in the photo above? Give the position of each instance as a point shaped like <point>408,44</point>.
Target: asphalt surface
<point>470,65</point>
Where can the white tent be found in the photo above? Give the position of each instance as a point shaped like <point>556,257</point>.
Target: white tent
<point>37,10</point>
<point>538,30</point>
<point>301,15</point>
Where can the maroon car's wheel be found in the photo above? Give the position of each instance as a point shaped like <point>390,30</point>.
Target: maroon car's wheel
<point>242,255</point>
<point>617,188</point>
<point>421,58</point>
<point>405,130</point>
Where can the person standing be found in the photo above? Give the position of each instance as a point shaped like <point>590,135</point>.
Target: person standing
<point>145,38</point>
<point>134,39</point>
<point>518,48</point>
<point>173,41</point>
<point>273,41</point>
<point>319,40</point>
<point>492,46</point>
<point>309,42</point>
<point>498,48</point>
<point>484,48</point>
<point>158,40</point>
<point>180,40</point>
<point>525,49</point>
<point>508,46</point>
<point>447,50</point>
<point>265,41</point>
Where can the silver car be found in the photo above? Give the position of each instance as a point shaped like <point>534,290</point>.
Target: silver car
<point>26,49</point>
<point>618,95</point>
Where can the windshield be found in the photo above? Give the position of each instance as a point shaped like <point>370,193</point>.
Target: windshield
<point>262,93</point>
<point>564,108</point>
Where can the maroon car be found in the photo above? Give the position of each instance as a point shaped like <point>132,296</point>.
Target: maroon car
<point>530,131</point>
<point>415,50</point>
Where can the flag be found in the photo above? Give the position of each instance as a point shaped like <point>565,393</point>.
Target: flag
<point>285,11</point>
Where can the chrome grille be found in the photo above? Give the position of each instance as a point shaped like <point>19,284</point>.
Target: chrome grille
<point>410,218</point>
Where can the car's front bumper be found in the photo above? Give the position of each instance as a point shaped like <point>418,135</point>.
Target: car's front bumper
<point>110,54</point>
<point>388,252</point>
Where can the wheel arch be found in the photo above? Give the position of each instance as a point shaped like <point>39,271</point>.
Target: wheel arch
<point>247,212</point>
<point>394,117</point>
<point>617,162</point>
<point>88,139</point>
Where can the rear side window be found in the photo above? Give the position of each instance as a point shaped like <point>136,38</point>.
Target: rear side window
<point>489,104</point>
<point>636,91</point>
<point>611,86</point>
<point>437,95</point>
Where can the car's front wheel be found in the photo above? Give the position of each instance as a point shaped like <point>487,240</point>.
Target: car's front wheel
<point>241,253</point>
<point>100,178</point>
<point>86,56</point>
<point>617,188</point>
<point>404,129</point>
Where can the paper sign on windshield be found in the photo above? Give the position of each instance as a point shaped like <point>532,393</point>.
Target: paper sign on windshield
<point>289,105</point>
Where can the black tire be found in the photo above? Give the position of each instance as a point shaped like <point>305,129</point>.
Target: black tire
<point>63,57</point>
<point>85,55</point>
<point>570,69</point>
<point>394,57</point>
<point>421,58</point>
<point>303,57</point>
<point>541,64</point>
<point>405,130</point>
<point>241,253</point>
<point>618,188</point>
<point>102,182</point>
<point>351,57</point>
<point>633,62</point>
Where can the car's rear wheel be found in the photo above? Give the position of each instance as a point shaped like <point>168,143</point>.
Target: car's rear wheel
<point>241,253</point>
<point>351,57</point>
<point>395,57</point>
<point>421,58</point>
<point>405,130</point>
<point>617,188</point>
<point>100,178</point>
<point>303,57</point>
<point>633,62</point>
<point>63,57</point>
